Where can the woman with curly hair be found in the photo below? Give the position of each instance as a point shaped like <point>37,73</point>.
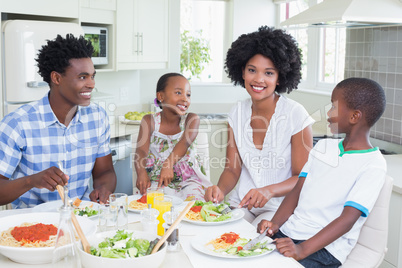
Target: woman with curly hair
<point>269,135</point>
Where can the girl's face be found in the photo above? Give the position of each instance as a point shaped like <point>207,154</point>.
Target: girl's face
<point>339,114</point>
<point>260,77</point>
<point>176,96</point>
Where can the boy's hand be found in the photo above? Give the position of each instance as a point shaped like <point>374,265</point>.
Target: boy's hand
<point>143,183</point>
<point>214,194</point>
<point>264,225</point>
<point>255,198</point>
<point>166,176</point>
<point>289,249</point>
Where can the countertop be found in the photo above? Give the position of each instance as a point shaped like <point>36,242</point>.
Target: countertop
<point>394,169</point>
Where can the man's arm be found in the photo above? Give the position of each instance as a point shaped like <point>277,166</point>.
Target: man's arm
<point>104,179</point>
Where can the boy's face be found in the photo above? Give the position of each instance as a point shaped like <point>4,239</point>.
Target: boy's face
<point>77,83</point>
<point>339,114</point>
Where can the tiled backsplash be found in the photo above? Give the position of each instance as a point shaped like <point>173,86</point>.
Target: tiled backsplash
<point>376,53</point>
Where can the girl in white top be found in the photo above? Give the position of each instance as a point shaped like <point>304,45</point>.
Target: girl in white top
<point>269,135</point>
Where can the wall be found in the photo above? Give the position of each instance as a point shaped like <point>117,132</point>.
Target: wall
<point>247,17</point>
<point>376,53</point>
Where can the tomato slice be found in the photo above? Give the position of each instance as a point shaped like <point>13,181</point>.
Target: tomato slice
<point>230,238</point>
<point>143,199</point>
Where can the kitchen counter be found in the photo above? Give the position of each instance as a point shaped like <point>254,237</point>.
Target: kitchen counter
<point>394,169</point>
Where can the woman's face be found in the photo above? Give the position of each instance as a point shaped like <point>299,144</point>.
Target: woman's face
<point>176,96</point>
<point>260,77</point>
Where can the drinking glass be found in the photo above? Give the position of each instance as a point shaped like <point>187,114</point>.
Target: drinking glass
<point>149,220</point>
<point>162,204</point>
<point>107,217</point>
<point>119,202</point>
<point>153,192</point>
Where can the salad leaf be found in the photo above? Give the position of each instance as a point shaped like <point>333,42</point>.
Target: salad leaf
<point>142,245</point>
<point>210,213</point>
<point>87,211</point>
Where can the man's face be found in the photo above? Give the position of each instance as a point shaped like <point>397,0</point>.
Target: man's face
<point>78,81</point>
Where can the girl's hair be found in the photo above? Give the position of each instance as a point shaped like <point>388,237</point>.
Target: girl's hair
<point>280,47</point>
<point>162,82</point>
<point>57,53</point>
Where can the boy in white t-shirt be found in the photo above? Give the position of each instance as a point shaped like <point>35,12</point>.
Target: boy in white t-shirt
<point>319,221</point>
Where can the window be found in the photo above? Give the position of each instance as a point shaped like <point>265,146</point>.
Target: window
<point>204,39</point>
<point>323,49</point>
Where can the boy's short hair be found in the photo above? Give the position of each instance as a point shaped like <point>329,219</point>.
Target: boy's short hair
<point>57,53</point>
<point>281,48</point>
<point>365,95</point>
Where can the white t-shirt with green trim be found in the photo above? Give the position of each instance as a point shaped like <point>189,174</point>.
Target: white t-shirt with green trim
<point>334,179</point>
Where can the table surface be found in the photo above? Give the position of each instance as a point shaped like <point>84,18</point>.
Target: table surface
<point>186,256</point>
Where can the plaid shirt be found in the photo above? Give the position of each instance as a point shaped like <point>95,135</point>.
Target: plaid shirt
<point>32,139</point>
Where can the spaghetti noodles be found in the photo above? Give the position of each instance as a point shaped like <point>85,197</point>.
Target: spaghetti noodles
<point>139,204</point>
<point>224,241</point>
<point>194,216</point>
<point>29,235</point>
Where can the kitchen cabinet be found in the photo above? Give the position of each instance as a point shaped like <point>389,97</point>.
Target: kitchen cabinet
<point>142,34</point>
<point>217,138</point>
<point>50,8</point>
<point>99,4</point>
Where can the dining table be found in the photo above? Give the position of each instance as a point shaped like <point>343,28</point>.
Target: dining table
<point>185,255</point>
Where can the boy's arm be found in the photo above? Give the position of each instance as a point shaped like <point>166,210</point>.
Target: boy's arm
<point>327,235</point>
<point>141,153</point>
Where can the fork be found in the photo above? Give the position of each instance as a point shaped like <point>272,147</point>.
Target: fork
<point>70,202</point>
<point>226,210</point>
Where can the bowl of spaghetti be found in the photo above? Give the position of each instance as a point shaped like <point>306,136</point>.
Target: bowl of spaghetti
<point>29,238</point>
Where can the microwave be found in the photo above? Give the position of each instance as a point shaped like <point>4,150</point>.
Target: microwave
<point>98,36</point>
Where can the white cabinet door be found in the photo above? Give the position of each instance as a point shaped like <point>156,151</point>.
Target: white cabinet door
<point>142,34</point>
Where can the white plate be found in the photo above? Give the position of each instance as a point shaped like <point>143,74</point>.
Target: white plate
<point>53,206</point>
<point>37,255</point>
<point>129,122</point>
<point>237,214</point>
<point>199,243</point>
<point>176,201</point>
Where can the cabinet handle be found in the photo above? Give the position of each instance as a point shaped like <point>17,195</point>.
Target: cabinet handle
<point>142,43</point>
<point>135,38</point>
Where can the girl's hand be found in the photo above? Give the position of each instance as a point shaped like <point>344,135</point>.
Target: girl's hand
<point>264,225</point>
<point>289,249</point>
<point>143,183</point>
<point>255,198</point>
<point>214,194</point>
<point>166,176</point>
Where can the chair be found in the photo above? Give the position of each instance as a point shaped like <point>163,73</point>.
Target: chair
<point>371,245</point>
<point>202,149</point>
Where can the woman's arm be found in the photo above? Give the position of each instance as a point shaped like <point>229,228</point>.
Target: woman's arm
<point>141,153</point>
<point>230,174</point>
<point>190,133</point>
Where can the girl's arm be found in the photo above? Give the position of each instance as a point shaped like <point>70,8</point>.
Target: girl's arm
<point>327,235</point>
<point>230,174</point>
<point>189,135</point>
<point>301,144</point>
<point>141,153</point>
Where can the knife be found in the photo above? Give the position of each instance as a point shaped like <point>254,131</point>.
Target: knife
<point>255,241</point>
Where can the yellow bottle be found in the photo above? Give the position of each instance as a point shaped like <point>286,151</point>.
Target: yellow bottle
<point>162,204</point>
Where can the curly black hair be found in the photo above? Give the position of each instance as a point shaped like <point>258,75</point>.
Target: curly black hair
<point>275,44</point>
<point>365,95</point>
<point>162,83</point>
<point>57,53</point>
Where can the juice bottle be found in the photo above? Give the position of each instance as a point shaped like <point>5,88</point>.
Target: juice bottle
<point>162,204</point>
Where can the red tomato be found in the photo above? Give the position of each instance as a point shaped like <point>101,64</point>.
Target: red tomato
<point>230,238</point>
<point>239,248</point>
<point>196,208</point>
<point>37,232</point>
<point>143,199</point>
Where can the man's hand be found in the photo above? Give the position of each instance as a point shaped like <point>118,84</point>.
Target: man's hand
<point>48,178</point>
<point>100,195</point>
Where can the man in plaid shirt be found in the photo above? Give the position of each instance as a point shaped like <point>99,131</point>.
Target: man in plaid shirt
<point>62,127</point>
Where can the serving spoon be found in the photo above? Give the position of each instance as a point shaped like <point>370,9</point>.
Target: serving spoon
<point>84,241</point>
<point>172,227</point>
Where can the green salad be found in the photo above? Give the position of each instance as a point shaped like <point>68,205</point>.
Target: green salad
<point>122,246</point>
<point>211,212</point>
<point>237,247</point>
<point>86,211</point>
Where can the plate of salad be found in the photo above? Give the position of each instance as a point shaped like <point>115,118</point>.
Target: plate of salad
<point>208,213</point>
<point>230,245</point>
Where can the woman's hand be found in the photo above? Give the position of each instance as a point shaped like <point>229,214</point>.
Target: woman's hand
<point>257,198</point>
<point>143,183</point>
<point>286,247</point>
<point>214,194</point>
<point>166,176</point>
